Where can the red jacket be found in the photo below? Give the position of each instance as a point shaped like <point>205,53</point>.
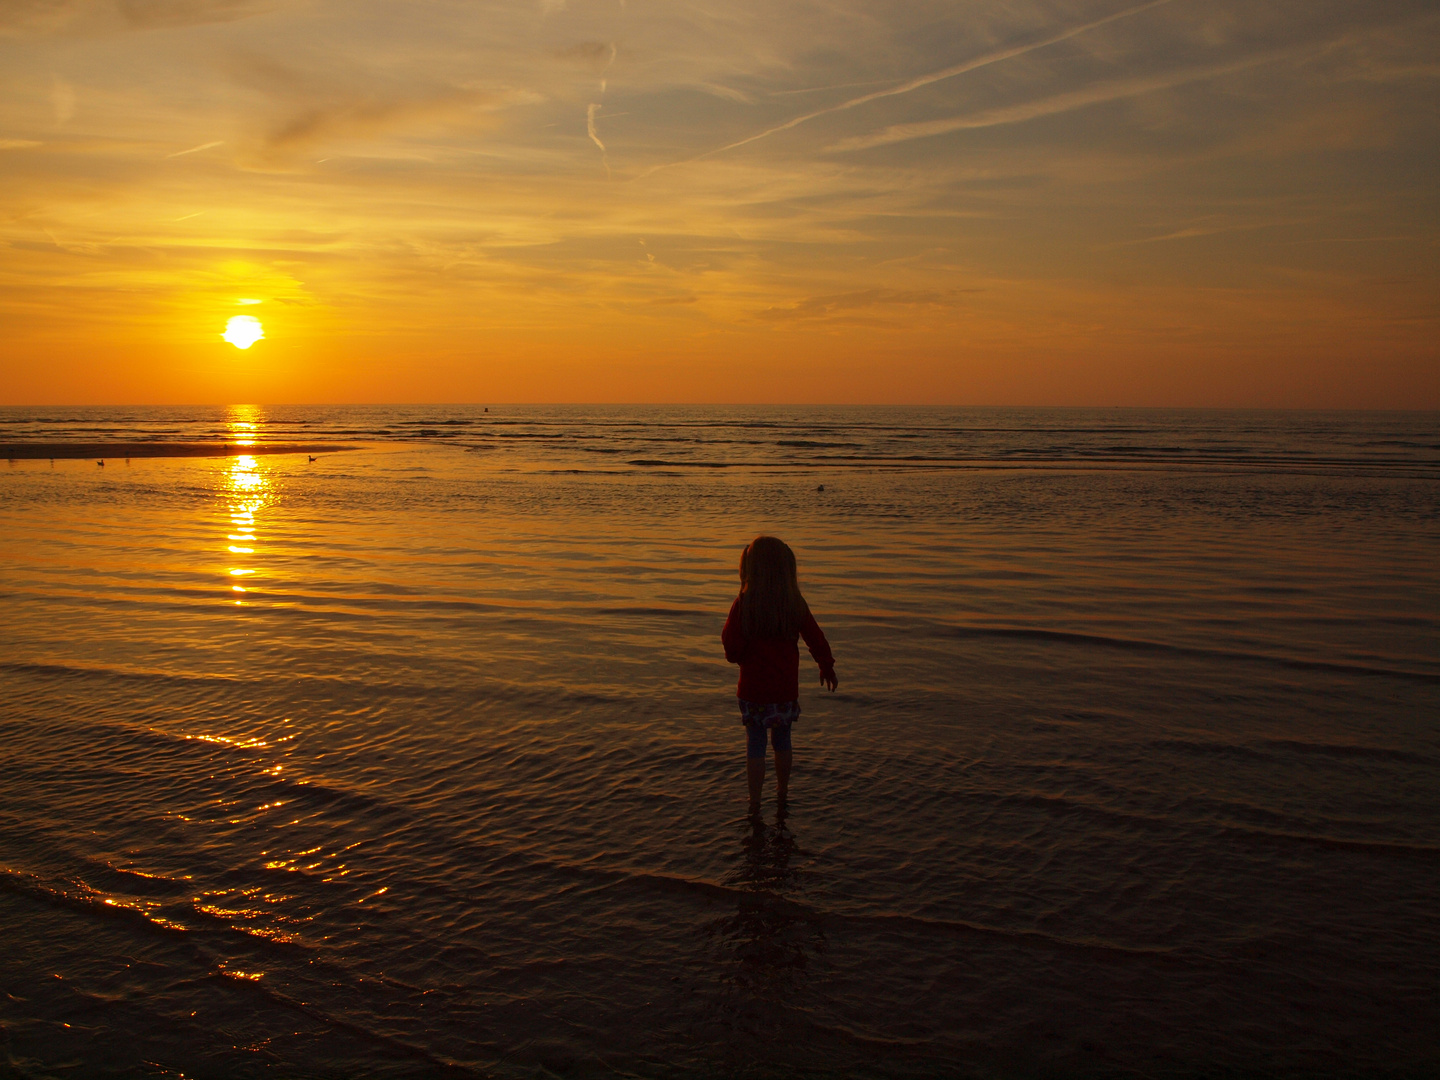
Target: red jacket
<point>770,667</point>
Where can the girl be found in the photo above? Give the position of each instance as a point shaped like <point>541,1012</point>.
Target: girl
<point>759,635</point>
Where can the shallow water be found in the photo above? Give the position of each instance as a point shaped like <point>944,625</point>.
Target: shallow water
<point>425,755</point>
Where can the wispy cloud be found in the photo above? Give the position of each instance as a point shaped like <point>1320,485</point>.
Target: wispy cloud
<point>727,92</point>
<point>197,149</point>
<point>590,111</point>
<point>367,118</point>
<point>822,89</point>
<point>819,307</point>
<point>598,55</point>
<point>48,16</point>
<point>1084,97</point>
<point>1192,232</point>
<point>63,99</point>
<point>158,13</point>
<point>593,109</point>
<point>911,85</point>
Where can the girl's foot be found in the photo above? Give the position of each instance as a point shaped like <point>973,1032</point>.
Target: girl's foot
<point>754,808</point>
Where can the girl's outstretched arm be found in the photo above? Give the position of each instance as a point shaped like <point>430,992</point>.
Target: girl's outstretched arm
<point>820,650</point>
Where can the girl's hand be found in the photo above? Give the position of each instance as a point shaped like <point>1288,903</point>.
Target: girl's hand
<point>829,681</point>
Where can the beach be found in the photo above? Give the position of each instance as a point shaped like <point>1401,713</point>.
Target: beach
<point>423,757</point>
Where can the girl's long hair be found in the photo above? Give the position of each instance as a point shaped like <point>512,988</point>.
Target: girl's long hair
<point>770,602</point>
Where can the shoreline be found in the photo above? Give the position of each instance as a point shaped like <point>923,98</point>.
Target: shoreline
<point>39,451</point>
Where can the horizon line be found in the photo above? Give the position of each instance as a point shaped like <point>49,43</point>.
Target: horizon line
<point>707,404</point>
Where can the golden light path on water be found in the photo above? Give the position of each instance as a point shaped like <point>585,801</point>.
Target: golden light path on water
<point>248,487</point>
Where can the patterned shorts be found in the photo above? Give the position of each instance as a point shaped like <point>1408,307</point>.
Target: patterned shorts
<point>775,718</point>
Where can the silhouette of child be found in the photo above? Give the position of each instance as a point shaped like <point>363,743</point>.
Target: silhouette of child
<point>760,634</point>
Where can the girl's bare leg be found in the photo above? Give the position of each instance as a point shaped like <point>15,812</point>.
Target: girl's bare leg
<point>783,761</point>
<point>755,774</point>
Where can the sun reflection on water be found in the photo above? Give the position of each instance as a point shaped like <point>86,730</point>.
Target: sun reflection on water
<point>248,486</point>
<point>244,424</point>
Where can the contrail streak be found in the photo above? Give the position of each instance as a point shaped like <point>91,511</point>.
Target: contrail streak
<point>590,126</point>
<point>933,77</point>
<point>1059,103</point>
<point>595,108</point>
<point>195,149</point>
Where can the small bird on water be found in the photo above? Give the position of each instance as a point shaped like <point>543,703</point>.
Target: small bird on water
<point>311,456</point>
<point>100,462</point>
<point>820,488</point>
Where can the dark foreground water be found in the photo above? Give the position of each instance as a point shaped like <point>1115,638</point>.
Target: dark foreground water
<point>423,759</point>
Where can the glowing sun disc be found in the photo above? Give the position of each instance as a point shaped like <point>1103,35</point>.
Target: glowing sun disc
<point>243,331</point>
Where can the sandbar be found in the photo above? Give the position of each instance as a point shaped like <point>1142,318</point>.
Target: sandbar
<point>100,450</point>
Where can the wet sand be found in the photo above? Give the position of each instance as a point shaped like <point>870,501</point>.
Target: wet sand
<point>102,450</point>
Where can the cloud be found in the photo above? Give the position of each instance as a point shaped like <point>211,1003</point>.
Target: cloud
<point>149,14</point>
<point>366,118</point>
<point>44,16</point>
<point>62,98</point>
<point>196,149</point>
<point>1191,232</point>
<point>22,16</point>
<point>950,72</point>
<point>819,307</point>
<point>598,55</point>
<point>1050,106</point>
<point>316,105</point>
<point>729,93</point>
<point>590,112</point>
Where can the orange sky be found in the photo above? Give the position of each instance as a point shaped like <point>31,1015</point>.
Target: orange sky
<point>1073,202</point>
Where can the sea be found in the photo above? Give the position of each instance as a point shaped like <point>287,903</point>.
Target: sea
<point>422,758</point>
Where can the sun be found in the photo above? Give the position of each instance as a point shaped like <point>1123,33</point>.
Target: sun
<point>243,331</point>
